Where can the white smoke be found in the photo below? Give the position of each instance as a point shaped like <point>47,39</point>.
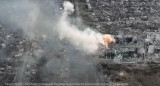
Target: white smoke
<point>86,40</point>
<point>68,7</point>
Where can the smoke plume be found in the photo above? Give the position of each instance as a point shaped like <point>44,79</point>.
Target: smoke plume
<point>87,40</point>
<point>53,45</point>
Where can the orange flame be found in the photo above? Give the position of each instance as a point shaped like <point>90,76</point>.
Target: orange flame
<point>108,39</point>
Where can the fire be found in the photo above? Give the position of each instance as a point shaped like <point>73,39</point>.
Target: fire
<point>108,39</point>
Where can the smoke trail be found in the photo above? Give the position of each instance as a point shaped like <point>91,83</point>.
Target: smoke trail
<point>36,19</point>
<point>86,40</point>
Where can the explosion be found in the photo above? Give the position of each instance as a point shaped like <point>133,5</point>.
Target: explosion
<point>107,39</point>
<point>87,39</point>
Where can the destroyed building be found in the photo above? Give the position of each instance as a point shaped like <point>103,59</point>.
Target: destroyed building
<point>128,20</point>
<point>130,48</point>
